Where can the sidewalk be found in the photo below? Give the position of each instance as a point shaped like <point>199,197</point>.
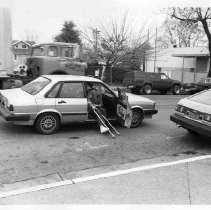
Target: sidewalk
<point>185,182</point>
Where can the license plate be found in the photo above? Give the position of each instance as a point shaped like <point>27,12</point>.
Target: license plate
<point>193,116</point>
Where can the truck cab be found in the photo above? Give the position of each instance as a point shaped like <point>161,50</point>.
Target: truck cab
<point>55,58</point>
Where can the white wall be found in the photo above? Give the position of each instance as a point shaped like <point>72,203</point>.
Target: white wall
<point>173,66</point>
<point>6,58</point>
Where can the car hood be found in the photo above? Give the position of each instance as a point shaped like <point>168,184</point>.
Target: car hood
<point>16,95</point>
<point>195,105</point>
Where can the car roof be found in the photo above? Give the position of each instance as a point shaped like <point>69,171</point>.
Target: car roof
<point>57,78</point>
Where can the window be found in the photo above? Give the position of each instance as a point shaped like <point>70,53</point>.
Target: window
<point>24,46</point>
<point>54,91</point>
<point>36,85</point>
<point>207,80</point>
<point>163,76</point>
<point>72,90</point>
<point>37,51</point>
<point>53,51</point>
<point>67,52</point>
<point>101,88</point>
<point>15,57</point>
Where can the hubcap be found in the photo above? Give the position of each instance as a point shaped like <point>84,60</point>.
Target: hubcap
<point>176,89</point>
<point>148,89</point>
<point>48,123</point>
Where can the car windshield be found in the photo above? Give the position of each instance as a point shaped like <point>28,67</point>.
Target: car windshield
<point>36,85</point>
<point>204,97</point>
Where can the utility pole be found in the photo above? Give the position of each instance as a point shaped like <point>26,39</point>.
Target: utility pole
<point>96,34</point>
<point>155,49</point>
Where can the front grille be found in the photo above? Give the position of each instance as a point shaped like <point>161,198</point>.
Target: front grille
<point>195,115</point>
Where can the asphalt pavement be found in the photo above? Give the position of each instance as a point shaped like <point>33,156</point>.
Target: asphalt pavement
<point>178,182</point>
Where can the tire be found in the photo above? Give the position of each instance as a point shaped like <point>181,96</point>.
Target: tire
<point>147,89</point>
<point>47,123</point>
<point>176,89</point>
<point>137,118</point>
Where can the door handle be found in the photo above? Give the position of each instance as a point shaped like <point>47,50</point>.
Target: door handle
<point>62,102</point>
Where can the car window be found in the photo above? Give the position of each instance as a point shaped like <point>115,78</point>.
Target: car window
<point>103,89</point>
<point>37,51</point>
<point>72,90</point>
<point>163,76</point>
<point>54,91</point>
<point>52,51</point>
<point>67,52</point>
<point>36,85</point>
<point>204,97</point>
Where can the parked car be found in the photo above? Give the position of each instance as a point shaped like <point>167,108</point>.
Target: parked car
<point>149,81</point>
<point>194,113</point>
<point>52,100</point>
<point>193,88</point>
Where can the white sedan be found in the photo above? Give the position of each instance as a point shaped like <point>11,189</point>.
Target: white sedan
<point>194,113</point>
<point>52,100</point>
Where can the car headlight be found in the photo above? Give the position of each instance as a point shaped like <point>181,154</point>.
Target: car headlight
<point>207,117</point>
<point>181,108</point>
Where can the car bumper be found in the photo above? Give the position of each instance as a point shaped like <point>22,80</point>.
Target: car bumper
<point>8,116</point>
<point>191,124</point>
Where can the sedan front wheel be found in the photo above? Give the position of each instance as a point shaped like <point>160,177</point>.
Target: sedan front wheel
<point>137,117</point>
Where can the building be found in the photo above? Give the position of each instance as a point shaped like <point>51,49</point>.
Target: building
<point>20,52</point>
<point>188,64</point>
<point>6,62</point>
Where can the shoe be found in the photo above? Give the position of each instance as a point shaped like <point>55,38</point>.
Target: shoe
<point>103,129</point>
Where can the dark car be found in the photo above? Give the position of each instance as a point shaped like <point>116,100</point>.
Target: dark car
<point>192,88</point>
<point>149,81</point>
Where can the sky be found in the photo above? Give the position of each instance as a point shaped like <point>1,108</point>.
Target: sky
<point>44,18</point>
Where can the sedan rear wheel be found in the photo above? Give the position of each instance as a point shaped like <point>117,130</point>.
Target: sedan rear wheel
<point>137,118</point>
<point>47,123</point>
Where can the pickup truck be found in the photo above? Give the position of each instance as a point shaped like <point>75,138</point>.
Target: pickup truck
<point>148,81</point>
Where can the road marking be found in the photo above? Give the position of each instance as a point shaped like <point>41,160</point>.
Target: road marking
<point>90,147</point>
<point>35,188</point>
<point>100,176</point>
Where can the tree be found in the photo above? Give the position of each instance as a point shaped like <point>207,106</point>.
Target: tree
<point>195,15</point>
<point>68,33</point>
<point>181,33</point>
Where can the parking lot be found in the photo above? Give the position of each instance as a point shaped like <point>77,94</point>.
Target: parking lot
<point>27,155</point>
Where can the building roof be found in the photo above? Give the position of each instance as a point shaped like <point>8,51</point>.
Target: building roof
<point>56,43</point>
<point>191,52</point>
<point>26,42</point>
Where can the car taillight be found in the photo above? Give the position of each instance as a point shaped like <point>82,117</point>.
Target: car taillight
<point>181,108</point>
<point>207,117</point>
